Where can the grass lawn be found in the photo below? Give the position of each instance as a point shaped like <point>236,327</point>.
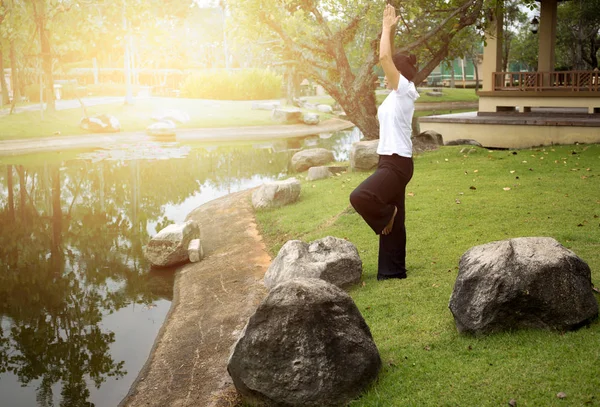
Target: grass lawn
<point>203,114</point>
<point>449,95</point>
<point>456,201</point>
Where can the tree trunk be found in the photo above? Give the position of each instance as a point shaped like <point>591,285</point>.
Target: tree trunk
<point>3,85</point>
<point>11,198</point>
<point>14,74</point>
<point>362,111</point>
<point>594,52</point>
<point>56,252</point>
<point>46,57</point>
<point>22,191</point>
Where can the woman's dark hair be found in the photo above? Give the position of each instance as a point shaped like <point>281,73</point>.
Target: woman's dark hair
<point>405,64</point>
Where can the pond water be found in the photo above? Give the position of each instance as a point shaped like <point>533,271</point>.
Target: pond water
<point>80,307</point>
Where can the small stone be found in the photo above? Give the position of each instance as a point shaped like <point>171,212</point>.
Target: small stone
<point>512,403</point>
<point>195,251</point>
<point>561,395</point>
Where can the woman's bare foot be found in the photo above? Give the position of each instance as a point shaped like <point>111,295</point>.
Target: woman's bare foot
<point>388,228</point>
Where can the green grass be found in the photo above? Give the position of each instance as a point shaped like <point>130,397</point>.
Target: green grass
<point>457,200</point>
<point>203,114</point>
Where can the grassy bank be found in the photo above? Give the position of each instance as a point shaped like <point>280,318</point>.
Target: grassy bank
<point>136,117</point>
<point>456,201</point>
<point>203,114</point>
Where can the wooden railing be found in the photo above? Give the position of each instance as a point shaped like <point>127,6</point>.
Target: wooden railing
<point>570,81</point>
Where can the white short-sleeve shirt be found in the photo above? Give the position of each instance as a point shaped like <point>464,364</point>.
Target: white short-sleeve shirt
<point>395,120</point>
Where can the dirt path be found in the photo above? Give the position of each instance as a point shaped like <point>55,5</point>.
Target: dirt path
<point>213,300</point>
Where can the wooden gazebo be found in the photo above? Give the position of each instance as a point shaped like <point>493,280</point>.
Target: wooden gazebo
<point>524,109</point>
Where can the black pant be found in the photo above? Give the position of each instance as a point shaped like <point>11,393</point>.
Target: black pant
<point>375,198</point>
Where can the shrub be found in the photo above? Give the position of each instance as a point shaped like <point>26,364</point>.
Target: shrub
<point>246,84</point>
<point>108,89</point>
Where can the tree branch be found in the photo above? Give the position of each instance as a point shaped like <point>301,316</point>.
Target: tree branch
<point>441,26</point>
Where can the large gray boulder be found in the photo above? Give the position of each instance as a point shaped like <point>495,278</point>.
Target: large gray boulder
<point>310,118</point>
<point>102,123</point>
<point>276,194</point>
<point>464,141</point>
<point>313,157</point>
<point>427,141</point>
<point>162,128</point>
<point>528,282</point>
<point>430,137</point>
<point>322,172</point>
<point>363,155</point>
<point>331,259</point>
<point>307,345</point>
<point>170,246</point>
<point>315,173</point>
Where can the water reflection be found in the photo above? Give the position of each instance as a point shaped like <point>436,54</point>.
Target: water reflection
<point>79,309</point>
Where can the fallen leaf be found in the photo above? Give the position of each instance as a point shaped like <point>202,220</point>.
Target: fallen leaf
<point>457,201</point>
<point>512,403</point>
<point>512,172</point>
<point>475,170</point>
<point>411,194</point>
<point>524,162</point>
<point>596,290</point>
<point>427,348</point>
<point>588,169</point>
<point>445,159</point>
<point>391,363</point>
<point>506,188</point>
<point>364,284</point>
<point>561,395</point>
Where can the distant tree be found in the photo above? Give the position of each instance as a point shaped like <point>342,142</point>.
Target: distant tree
<point>578,34</point>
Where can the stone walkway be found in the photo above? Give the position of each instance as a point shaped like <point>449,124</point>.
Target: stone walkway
<point>212,302</point>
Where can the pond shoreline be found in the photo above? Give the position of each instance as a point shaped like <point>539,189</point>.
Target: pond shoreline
<point>248,133</point>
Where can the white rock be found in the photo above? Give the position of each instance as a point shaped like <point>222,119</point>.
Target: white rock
<point>170,246</point>
<point>325,108</point>
<point>162,128</point>
<point>173,115</point>
<point>275,194</point>
<point>195,251</point>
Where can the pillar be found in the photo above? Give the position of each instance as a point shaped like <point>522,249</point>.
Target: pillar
<point>492,52</point>
<point>547,35</point>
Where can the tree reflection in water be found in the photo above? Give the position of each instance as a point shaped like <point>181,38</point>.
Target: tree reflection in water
<point>71,253</point>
